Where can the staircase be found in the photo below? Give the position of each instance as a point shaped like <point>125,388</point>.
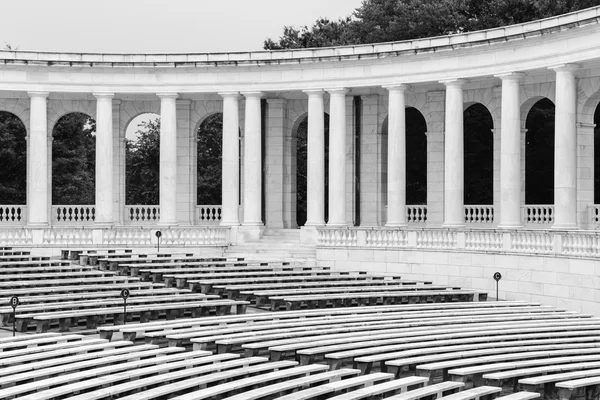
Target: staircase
<point>275,243</point>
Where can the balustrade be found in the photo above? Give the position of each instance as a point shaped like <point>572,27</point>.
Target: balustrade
<point>142,214</point>
<point>386,238</point>
<point>416,214</point>
<point>483,240</point>
<point>73,214</point>
<point>532,241</point>
<point>208,215</point>
<point>537,214</point>
<point>594,216</point>
<point>479,214</point>
<point>436,239</point>
<point>12,214</point>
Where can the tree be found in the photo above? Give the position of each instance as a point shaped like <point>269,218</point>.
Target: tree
<point>13,159</point>
<point>142,165</point>
<point>392,20</point>
<point>209,166</point>
<point>74,160</point>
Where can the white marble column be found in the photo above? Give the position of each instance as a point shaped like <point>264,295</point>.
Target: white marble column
<point>315,166</point>
<point>104,158</point>
<point>230,187</point>
<point>168,158</point>
<point>337,157</point>
<point>454,214</point>
<point>565,149</point>
<point>37,181</point>
<point>252,161</point>
<point>510,153</point>
<point>396,208</point>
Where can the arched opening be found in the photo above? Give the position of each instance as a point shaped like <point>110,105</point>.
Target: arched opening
<point>142,168</point>
<point>74,169</point>
<point>416,163</point>
<point>301,169</point>
<point>478,142</point>
<point>13,161</point>
<point>416,157</point>
<point>597,155</point>
<point>539,153</point>
<point>209,168</point>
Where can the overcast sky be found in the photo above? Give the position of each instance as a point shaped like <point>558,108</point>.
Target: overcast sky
<point>154,26</point>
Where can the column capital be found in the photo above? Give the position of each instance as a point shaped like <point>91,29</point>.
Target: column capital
<point>454,82</point>
<point>168,95</point>
<point>565,67</point>
<point>234,95</point>
<point>339,91</point>
<point>256,94</point>
<point>103,95</point>
<point>399,87</point>
<point>314,92</point>
<point>511,76</point>
<point>39,95</point>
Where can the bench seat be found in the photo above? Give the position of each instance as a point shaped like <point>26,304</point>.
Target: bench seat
<point>333,388</point>
<point>519,396</point>
<point>70,383</point>
<point>486,392</point>
<point>589,385</point>
<point>278,348</point>
<point>107,331</point>
<point>545,376</point>
<point>386,388</point>
<point>71,288</point>
<point>433,392</point>
<point>93,316</point>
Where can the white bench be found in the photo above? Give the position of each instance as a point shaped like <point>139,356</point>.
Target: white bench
<point>387,388</point>
<point>430,392</point>
<point>590,385</point>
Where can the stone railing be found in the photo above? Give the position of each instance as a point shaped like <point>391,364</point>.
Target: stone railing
<point>211,236</point>
<point>479,214</point>
<point>12,214</point>
<point>142,215</point>
<point>208,215</point>
<point>566,243</point>
<point>73,214</point>
<point>416,214</point>
<point>594,216</point>
<point>538,214</point>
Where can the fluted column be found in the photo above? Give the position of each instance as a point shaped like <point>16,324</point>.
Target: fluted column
<point>565,150</point>
<point>337,157</point>
<point>252,161</point>
<point>454,156</point>
<point>104,158</point>
<point>510,153</point>
<point>37,182</point>
<point>231,159</point>
<point>396,209</point>
<point>168,158</point>
<point>315,166</point>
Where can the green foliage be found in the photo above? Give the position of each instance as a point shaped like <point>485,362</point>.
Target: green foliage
<point>392,20</point>
<point>74,160</point>
<point>142,165</point>
<point>13,159</point>
<point>210,166</point>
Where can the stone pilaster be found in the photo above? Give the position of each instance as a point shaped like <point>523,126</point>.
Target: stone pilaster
<point>37,183</point>
<point>396,215</point>
<point>104,159</point>
<point>337,158</point>
<point>274,159</point>
<point>168,158</point>
<point>231,161</point>
<point>186,180</point>
<point>565,149</point>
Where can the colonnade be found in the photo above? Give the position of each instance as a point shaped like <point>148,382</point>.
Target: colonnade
<point>510,166</point>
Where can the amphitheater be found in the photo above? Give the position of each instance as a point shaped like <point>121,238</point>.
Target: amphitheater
<point>373,297</point>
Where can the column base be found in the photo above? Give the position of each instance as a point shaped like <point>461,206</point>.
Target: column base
<point>334,225</point>
<point>38,225</point>
<point>508,226</point>
<point>454,225</point>
<point>309,234</point>
<point>565,227</point>
<point>249,233</point>
<point>396,225</point>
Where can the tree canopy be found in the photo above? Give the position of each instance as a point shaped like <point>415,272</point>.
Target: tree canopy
<point>13,159</point>
<point>142,164</point>
<point>393,20</point>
